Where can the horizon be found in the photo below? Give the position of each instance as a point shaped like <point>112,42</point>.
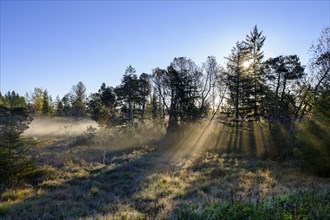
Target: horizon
<point>94,42</point>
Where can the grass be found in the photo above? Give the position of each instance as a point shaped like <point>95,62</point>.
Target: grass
<point>214,186</point>
<point>298,205</point>
<point>145,181</point>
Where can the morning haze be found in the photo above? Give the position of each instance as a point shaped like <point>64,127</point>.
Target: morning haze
<point>165,110</point>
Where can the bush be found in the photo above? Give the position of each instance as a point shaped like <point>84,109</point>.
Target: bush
<point>40,174</point>
<point>314,138</point>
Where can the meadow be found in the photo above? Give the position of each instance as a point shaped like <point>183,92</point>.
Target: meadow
<point>89,172</point>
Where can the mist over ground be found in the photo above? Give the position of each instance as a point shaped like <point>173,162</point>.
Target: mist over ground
<point>58,127</point>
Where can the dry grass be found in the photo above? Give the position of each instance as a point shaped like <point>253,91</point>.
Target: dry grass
<point>148,181</point>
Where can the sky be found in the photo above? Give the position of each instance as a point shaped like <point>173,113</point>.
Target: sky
<point>55,44</point>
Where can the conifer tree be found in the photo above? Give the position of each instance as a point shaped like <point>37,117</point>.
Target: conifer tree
<point>78,100</point>
<point>14,119</point>
<point>144,92</point>
<point>283,74</point>
<point>253,66</point>
<point>102,105</point>
<point>236,81</point>
<point>46,107</point>
<point>128,93</point>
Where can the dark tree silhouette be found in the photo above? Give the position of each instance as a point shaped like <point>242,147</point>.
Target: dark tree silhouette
<point>14,119</point>
<point>78,100</point>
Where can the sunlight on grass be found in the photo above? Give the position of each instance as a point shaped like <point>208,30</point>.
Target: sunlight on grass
<point>15,197</point>
<point>208,166</point>
<point>19,194</point>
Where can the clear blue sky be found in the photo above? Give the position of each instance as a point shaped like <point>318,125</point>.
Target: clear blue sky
<point>55,44</point>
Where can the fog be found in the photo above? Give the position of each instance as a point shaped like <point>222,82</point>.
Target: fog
<point>58,127</point>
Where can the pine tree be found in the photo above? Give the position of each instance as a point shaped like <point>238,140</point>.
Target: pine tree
<point>67,107</point>
<point>283,74</point>
<point>14,119</point>
<point>58,109</point>
<point>102,105</point>
<point>253,66</point>
<point>236,81</point>
<point>128,94</point>
<point>144,92</point>
<point>46,107</point>
<point>78,100</point>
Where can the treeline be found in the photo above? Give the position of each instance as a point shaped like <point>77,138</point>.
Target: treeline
<point>248,88</point>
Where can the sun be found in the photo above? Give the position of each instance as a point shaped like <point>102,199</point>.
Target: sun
<point>246,64</point>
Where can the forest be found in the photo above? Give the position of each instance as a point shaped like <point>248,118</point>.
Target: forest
<point>247,140</point>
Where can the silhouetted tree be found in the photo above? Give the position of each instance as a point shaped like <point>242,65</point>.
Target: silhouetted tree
<point>314,137</point>
<point>320,61</point>
<point>78,100</point>
<point>128,93</point>
<point>144,92</point>
<point>102,105</point>
<point>319,80</point>
<point>46,106</point>
<point>156,107</point>
<point>14,119</point>
<point>67,107</point>
<point>180,88</point>
<point>212,70</point>
<point>58,111</point>
<point>253,66</point>
<point>236,81</point>
<point>284,74</point>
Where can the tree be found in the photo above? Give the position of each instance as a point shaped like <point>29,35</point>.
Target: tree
<point>14,119</point>
<point>156,107</point>
<point>236,81</point>
<point>314,137</point>
<point>253,66</point>
<point>319,66</point>
<point>144,92</point>
<point>46,106</point>
<point>284,74</point>
<point>179,88</point>
<point>14,99</point>
<point>320,61</point>
<point>102,142</point>
<point>78,100</point>
<point>67,107</point>
<point>128,93</point>
<point>102,105</point>
<point>36,98</point>
<point>59,107</point>
<point>212,69</point>
<point>189,83</point>
<point>2,99</point>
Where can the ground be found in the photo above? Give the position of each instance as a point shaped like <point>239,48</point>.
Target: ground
<point>143,178</point>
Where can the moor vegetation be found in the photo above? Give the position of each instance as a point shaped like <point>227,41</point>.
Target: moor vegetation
<point>249,140</point>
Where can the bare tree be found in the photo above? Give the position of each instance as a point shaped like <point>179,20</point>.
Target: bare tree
<point>211,69</point>
<point>320,60</point>
<point>102,141</point>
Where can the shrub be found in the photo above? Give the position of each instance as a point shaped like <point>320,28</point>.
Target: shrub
<point>40,174</point>
<point>314,138</point>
